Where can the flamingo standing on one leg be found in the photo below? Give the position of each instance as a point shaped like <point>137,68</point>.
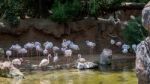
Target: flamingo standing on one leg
<point>48,45</point>
<point>29,46</point>
<point>55,59</point>
<point>17,47</point>
<point>91,45</point>
<point>45,62</point>
<point>55,49</point>
<point>38,51</point>
<point>68,54</point>
<point>74,47</point>
<point>22,51</point>
<point>8,54</point>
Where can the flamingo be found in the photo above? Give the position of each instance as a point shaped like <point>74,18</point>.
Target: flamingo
<point>55,59</point>
<point>80,59</point>
<point>15,48</point>
<point>37,43</point>
<point>23,51</point>
<point>80,62</point>
<point>6,65</point>
<point>48,45</point>
<point>45,52</point>
<point>74,46</point>
<point>12,48</point>
<point>125,48</point>
<point>91,45</point>
<point>45,62</point>
<point>8,54</point>
<point>119,43</point>
<point>65,43</point>
<point>112,41</point>
<point>134,46</point>
<point>17,61</point>
<point>29,46</point>
<point>38,50</point>
<point>55,49</point>
<point>68,54</point>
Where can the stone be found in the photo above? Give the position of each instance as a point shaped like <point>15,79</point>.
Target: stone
<point>86,65</point>
<point>146,16</point>
<point>142,65</point>
<point>105,57</point>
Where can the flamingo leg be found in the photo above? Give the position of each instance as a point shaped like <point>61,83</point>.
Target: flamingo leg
<point>37,56</point>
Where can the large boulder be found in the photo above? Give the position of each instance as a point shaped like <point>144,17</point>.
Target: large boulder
<point>146,16</point>
<point>142,64</point>
<point>105,57</point>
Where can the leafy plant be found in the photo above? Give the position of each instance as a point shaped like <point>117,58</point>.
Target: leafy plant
<point>65,11</point>
<point>11,10</point>
<point>134,32</point>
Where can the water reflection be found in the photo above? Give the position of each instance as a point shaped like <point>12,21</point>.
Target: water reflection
<point>44,81</point>
<point>16,81</point>
<point>76,77</point>
<point>120,72</point>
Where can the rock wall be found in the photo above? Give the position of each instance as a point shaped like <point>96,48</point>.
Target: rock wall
<point>45,30</point>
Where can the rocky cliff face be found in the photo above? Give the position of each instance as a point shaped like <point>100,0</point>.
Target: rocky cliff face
<point>79,31</point>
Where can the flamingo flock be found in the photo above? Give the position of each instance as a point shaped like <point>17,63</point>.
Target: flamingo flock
<point>17,54</point>
<point>124,47</point>
<point>50,52</point>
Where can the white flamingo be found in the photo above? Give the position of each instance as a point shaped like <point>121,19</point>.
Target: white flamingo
<point>16,48</point>
<point>17,61</point>
<point>55,49</point>
<point>8,54</point>
<point>119,43</point>
<point>6,65</point>
<point>80,62</point>
<point>74,46</point>
<point>134,47</point>
<point>55,59</point>
<point>45,62</point>
<point>68,54</point>
<point>29,46</point>
<point>80,59</point>
<point>37,43</point>
<point>112,41</point>
<point>91,45</point>
<point>65,43</point>
<point>23,51</point>
<point>48,45</point>
<point>38,51</point>
<point>45,52</point>
<point>125,48</point>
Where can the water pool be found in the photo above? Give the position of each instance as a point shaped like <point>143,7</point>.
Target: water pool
<point>75,77</point>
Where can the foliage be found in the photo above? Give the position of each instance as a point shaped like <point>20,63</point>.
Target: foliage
<point>11,10</point>
<point>134,32</point>
<point>65,11</point>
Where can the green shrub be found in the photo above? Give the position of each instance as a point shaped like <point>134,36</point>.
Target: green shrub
<point>134,32</point>
<point>65,11</point>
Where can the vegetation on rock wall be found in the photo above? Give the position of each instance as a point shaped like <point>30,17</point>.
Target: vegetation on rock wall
<point>134,32</point>
<point>63,10</point>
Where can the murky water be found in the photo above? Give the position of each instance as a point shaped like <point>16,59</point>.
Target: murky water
<point>75,77</point>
